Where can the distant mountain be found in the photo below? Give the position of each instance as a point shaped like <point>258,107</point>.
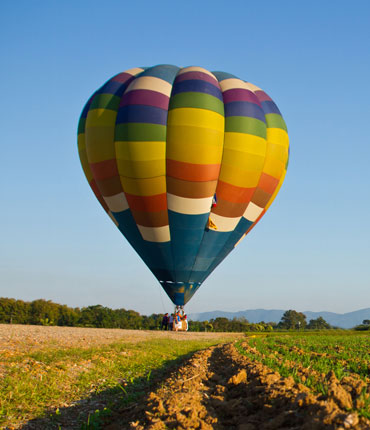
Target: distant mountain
<point>347,320</point>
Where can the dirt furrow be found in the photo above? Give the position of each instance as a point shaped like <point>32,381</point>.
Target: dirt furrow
<point>218,388</point>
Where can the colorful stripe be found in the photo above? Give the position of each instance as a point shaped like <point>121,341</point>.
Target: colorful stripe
<point>160,146</point>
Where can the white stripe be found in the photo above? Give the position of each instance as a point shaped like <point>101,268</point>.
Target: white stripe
<point>183,205</point>
<point>223,223</point>
<point>252,87</point>
<point>134,71</point>
<point>155,234</point>
<point>150,83</point>
<point>229,84</point>
<point>252,212</point>
<point>117,203</point>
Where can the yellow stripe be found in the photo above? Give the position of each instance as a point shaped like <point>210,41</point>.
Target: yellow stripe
<point>274,167</point>
<point>242,160</point>
<point>278,152</point>
<point>140,151</point>
<point>194,145</point>
<point>238,177</point>
<point>81,142</point>
<point>85,165</point>
<point>100,144</point>
<point>196,118</point>
<point>141,169</point>
<point>278,136</point>
<point>144,187</point>
<point>245,143</point>
<point>101,117</point>
<point>276,191</point>
<point>194,153</point>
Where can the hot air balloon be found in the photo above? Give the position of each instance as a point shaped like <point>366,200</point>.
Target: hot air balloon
<point>185,162</point>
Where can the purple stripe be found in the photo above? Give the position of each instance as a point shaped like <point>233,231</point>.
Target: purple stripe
<point>122,77</point>
<point>145,97</point>
<point>262,96</point>
<point>197,75</point>
<point>196,86</point>
<point>141,114</point>
<point>240,95</point>
<point>251,110</point>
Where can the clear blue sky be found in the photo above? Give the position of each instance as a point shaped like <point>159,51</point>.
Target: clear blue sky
<point>311,250</point>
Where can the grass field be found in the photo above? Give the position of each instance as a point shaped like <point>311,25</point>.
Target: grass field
<point>50,371</point>
<point>55,377</point>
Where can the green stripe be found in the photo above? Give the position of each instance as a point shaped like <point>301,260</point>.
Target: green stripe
<point>243,124</point>
<point>140,132</point>
<point>81,125</point>
<point>275,120</point>
<point>105,101</point>
<point>197,100</point>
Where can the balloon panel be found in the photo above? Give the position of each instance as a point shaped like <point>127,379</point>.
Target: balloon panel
<point>185,162</point>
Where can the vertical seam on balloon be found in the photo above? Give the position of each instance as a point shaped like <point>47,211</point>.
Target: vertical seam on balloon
<point>209,213</point>
<point>168,215</point>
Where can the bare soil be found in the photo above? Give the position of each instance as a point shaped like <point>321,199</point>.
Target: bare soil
<point>220,389</point>
<point>18,338</point>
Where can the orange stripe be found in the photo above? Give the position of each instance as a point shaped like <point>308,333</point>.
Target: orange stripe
<point>192,172</point>
<point>154,203</point>
<point>268,183</point>
<point>96,191</point>
<point>104,169</point>
<point>234,194</point>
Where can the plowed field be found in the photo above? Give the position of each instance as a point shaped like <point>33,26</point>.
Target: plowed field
<point>220,388</point>
<point>59,378</point>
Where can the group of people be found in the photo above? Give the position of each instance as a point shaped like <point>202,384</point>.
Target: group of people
<point>177,321</point>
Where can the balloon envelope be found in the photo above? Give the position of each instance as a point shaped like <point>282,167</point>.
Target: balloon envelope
<point>185,162</point>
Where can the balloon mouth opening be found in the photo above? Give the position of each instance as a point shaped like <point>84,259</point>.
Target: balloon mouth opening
<point>180,292</point>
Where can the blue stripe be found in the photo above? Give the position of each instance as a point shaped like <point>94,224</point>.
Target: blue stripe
<point>186,237</point>
<point>270,107</point>
<point>85,110</point>
<point>115,88</point>
<point>167,72</point>
<point>198,86</point>
<point>223,75</point>
<point>141,114</point>
<point>243,108</point>
<point>157,256</point>
<point>180,292</point>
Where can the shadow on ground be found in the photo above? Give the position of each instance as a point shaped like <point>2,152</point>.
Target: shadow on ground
<point>93,411</point>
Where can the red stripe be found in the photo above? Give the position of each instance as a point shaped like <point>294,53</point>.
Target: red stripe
<point>104,169</point>
<point>96,191</point>
<point>192,172</point>
<point>234,194</point>
<point>198,76</point>
<point>268,183</point>
<point>262,96</point>
<point>145,97</point>
<point>155,203</point>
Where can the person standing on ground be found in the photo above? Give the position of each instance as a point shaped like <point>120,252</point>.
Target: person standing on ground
<point>164,325</point>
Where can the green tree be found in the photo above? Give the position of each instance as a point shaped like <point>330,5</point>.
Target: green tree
<point>318,324</point>
<point>292,320</point>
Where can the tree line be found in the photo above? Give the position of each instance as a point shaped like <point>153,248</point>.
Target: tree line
<point>46,312</point>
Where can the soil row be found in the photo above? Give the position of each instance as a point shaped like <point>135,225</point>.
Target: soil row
<point>218,388</point>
